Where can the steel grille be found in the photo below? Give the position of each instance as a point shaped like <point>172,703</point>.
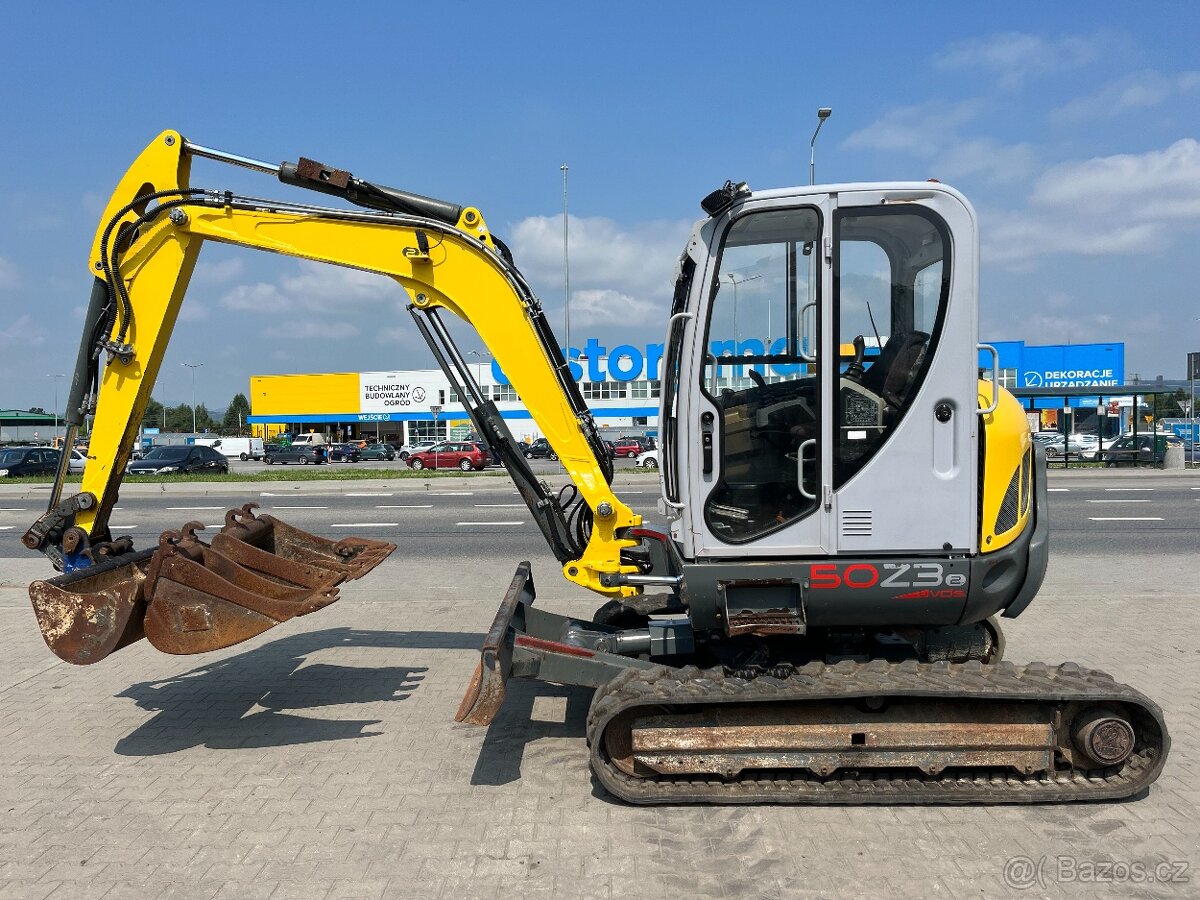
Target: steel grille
<point>1007,519</point>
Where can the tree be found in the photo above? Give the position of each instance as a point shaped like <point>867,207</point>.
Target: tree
<point>1166,406</point>
<point>204,420</point>
<point>179,418</point>
<point>38,410</point>
<point>234,420</point>
<point>153,416</point>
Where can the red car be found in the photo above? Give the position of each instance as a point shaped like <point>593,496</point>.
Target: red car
<point>450,455</point>
<point>630,447</point>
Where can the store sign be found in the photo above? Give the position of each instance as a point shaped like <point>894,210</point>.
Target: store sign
<point>387,392</point>
<point>1070,378</point>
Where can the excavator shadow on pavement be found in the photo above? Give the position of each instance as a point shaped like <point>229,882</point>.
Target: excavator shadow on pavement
<point>522,720</point>
<point>250,699</point>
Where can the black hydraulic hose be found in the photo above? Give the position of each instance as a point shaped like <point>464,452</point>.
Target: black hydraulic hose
<point>117,294</point>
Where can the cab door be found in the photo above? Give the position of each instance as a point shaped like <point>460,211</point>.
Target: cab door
<point>757,405</point>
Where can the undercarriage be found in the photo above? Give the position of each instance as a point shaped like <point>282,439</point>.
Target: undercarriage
<point>839,727</point>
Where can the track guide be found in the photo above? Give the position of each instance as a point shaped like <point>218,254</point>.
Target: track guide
<point>957,733</point>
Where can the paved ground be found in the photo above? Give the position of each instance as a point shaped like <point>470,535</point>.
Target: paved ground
<point>321,760</point>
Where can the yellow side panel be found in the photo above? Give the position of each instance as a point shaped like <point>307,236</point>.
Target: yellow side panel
<point>287,395</point>
<point>1006,441</point>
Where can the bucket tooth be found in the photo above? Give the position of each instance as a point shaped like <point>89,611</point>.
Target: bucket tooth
<point>87,614</point>
<point>353,557</point>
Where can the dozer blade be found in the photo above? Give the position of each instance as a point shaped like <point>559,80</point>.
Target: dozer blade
<point>189,597</point>
<point>353,557</point>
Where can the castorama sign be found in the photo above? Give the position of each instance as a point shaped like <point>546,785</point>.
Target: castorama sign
<point>625,362</point>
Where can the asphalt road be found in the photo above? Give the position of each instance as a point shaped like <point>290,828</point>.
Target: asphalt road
<point>1101,512</point>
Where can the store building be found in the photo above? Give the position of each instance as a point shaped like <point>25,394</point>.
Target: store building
<point>621,385</point>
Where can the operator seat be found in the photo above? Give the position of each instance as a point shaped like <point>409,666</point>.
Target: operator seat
<point>895,369</point>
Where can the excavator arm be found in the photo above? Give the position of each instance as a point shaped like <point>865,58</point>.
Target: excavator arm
<point>443,256</point>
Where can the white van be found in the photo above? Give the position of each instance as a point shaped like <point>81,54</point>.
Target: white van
<point>312,439</point>
<point>241,447</point>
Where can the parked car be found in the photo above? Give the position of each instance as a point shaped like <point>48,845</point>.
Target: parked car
<point>1146,449</point>
<point>78,461</point>
<point>273,447</point>
<point>379,451</point>
<point>612,449</point>
<point>16,462</point>
<point>540,449</point>
<point>647,460</point>
<point>451,454</point>
<point>1061,444</point>
<point>631,447</point>
<point>301,453</point>
<point>180,460</point>
<point>344,453</point>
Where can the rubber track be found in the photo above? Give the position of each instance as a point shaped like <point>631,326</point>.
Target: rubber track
<point>691,686</point>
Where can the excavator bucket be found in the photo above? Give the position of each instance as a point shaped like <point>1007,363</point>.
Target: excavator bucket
<point>87,614</point>
<point>353,557</point>
<point>187,596</point>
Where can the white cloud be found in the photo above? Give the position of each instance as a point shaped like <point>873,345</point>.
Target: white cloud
<point>22,333</point>
<point>918,129</point>
<point>1137,92</point>
<point>985,159</point>
<point>9,276</point>
<point>608,307</point>
<point>312,330</point>
<point>260,297</point>
<point>219,271</point>
<point>1123,204</point>
<point>1012,58</point>
<point>313,287</point>
<point>934,132</point>
<point>629,267</point>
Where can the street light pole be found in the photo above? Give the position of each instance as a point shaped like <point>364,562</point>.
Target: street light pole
<point>481,355</point>
<point>193,367</point>
<point>735,281</point>
<point>55,377</point>
<point>822,114</point>
<point>566,265</point>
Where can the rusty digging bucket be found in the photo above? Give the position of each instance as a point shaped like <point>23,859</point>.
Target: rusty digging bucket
<point>187,596</point>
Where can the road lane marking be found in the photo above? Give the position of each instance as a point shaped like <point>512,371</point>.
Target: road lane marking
<point>269,494</point>
<point>1130,500</point>
<point>404,506</point>
<point>1058,490</point>
<point>121,527</point>
<point>489,523</point>
<point>365,525</point>
<point>366,495</point>
<point>1125,518</point>
<point>1128,489</point>
<point>7,527</point>
<point>11,509</point>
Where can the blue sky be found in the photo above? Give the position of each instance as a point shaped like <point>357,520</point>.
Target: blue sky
<point>1072,127</point>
